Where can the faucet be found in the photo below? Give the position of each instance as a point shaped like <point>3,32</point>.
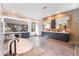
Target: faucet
<point>10,47</point>
<point>17,36</point>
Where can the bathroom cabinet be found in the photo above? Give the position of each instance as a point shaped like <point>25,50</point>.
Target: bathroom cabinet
<point>56,35</point>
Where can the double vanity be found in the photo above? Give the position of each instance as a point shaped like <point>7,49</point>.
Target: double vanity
<point>57,35</point>
<point>56,27</point>
<point>21,34</point>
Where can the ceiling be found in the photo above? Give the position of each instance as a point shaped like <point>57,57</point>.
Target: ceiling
<point>39,10</point>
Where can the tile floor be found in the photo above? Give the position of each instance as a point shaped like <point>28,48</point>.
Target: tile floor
<point>47,47</point>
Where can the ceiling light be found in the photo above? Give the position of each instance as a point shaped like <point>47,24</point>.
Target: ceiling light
<point>59,16</point>
<point>50,18</point>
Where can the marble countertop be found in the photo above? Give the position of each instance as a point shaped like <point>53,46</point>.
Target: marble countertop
<point>14,32</point>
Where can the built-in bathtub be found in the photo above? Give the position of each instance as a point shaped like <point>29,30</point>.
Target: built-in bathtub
<point>22,46</point>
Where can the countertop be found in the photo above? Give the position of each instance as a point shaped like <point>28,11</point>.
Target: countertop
<point>59,32</point>
<point>14,32</point>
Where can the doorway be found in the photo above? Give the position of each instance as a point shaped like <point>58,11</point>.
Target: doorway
<point>33,28</point>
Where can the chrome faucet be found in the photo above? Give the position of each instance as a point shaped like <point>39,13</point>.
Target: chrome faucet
<point>17,36</point>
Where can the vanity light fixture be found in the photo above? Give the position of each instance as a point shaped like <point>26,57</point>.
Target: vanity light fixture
<point>59,16</point>
<point>50,17</point>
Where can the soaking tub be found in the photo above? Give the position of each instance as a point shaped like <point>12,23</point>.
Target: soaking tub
<point>22,46</point>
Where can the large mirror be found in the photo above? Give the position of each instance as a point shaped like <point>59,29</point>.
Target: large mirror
<point>13,25</point>
<point>10,27</point>
<point>57,24</point>
<point>62,24</point>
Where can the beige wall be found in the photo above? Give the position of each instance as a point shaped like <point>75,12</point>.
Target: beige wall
<point>74,24</point>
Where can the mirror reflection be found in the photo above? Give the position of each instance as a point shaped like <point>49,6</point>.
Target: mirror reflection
<point>10,27</point>
<point>57,25</point>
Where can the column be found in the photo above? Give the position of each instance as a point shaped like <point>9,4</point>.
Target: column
<point>1,31</point>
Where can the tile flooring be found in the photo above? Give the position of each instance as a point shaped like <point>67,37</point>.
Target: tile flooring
<point>48,47</point>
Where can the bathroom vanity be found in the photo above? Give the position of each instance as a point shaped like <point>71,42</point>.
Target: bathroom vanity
<point>56,27</point>
<point>12,34</point>
<point>15,26</point>
<point>56,35</point>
